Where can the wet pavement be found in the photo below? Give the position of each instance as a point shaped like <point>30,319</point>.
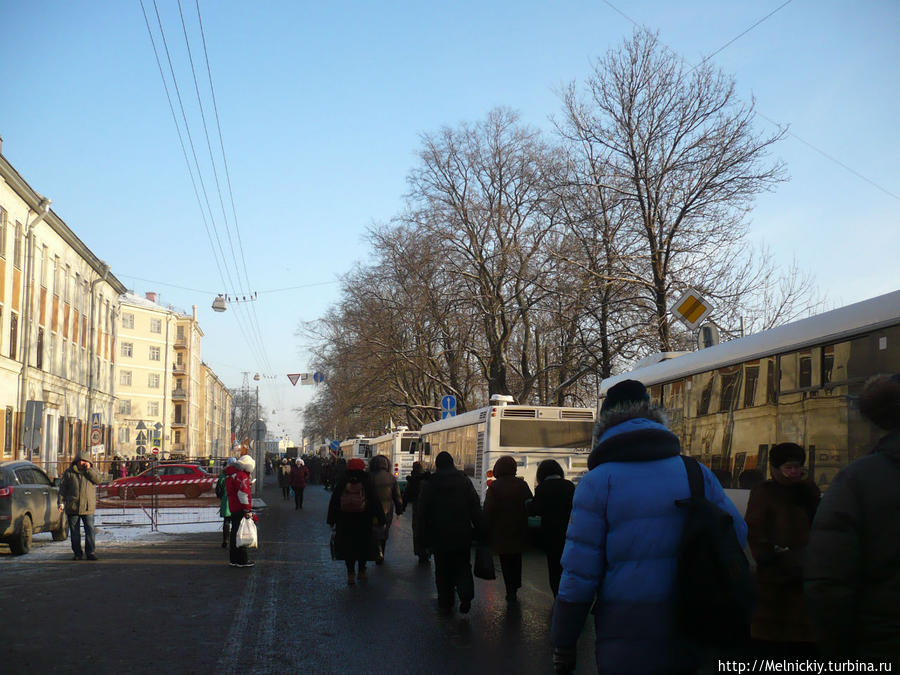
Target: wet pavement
<point>177,607</point>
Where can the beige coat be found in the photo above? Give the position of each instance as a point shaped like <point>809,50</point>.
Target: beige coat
<point>78,492</point>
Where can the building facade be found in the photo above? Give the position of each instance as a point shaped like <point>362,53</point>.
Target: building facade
<point>215,412</point>
<point>58,305</point>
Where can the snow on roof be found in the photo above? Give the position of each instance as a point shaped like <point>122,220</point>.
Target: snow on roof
<point>831,326</point>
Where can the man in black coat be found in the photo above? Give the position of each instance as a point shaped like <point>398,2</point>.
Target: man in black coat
<point>852,579</point>
<point>449,511</point>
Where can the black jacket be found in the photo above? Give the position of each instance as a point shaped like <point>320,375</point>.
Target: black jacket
<point>449,511</point>
<point>553,503</point>
<point>852,579</point>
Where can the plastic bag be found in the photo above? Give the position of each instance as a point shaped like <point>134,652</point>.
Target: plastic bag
<point>246,534</point>
<point>484,563</point>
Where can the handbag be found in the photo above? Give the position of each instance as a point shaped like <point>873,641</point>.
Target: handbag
<point>484,563</point>
<point>246,534</point>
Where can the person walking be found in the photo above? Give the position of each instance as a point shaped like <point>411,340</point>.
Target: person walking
<point>284,478</point>
<point>623,540</point>
<point>506,521</point>
<point>852,575</point>
<point>553,503</point>
<point>77,497</point>
<point>384,483</point>
<point>299,476</point>
<point>414,482</point>
<point>240,503</point>
<point>353,510</point>
<point>449,515</point>
<point>779,516</point>
<point>222,494</point>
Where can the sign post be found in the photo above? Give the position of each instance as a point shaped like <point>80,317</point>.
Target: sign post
<point>258,435</point>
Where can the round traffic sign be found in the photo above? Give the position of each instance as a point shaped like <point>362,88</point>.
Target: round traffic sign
<point>96,436</point>
<point>155,451</point>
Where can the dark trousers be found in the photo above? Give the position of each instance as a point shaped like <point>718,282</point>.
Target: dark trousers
<point>554,567</point>
<point>298,498</point>
<point>75,523</point>
<point>286,492</point>
<point>226,526</point>
<point>235,554</point>
<point>511,564</point>
<point>453,572</point>
<point>351,563</point>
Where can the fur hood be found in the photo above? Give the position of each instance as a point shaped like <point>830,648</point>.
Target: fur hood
<point>634,432</point>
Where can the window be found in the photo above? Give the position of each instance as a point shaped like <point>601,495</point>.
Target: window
<point>751,377</point>
<point>17,246</point>
<point>805,377</point>
<point>124,435</point>
<point>127,320</point>
<point>3,222</point>
<point>45,257</point>
<point>127,349</point>
<point>180,333</point>
<point>705,395</point>
<point>154,353</point>
<point>56,270</point>
<point>827,364</point>
<point>153,380</point>
<point>124,407</point>
<point>13,334</point>
<point>731,379</point>
<point>39,350</point>
<point>178,416</point>
<point>125,378</point>
<point>66,284</point>
<point>153,409</point>
<point>156,325</point>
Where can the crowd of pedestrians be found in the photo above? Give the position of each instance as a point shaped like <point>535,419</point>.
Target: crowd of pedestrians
<point>826,569</point>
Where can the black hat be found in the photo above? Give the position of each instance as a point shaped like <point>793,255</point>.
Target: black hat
<point>627,391</point>
<point>786,452</point>
<point>444,460</point>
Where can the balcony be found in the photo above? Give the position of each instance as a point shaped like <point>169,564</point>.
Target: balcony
<point>179,368</point>
<point>179,395</point>
<point>177,447</point>
<point>181,343</point>
<point>179,422</point>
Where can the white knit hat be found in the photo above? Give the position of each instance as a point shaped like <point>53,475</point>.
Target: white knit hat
<point>246,463</point>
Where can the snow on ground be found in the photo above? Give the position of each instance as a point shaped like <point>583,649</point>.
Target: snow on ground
<point>128,527</point>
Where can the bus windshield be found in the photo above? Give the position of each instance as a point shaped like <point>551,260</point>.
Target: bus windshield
<point>545,434</point>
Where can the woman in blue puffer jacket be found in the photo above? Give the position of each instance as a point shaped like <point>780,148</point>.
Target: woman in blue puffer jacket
<point>622,542</point>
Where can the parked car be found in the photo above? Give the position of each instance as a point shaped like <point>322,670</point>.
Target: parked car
<point>27,505</point>
<point>165,479</point>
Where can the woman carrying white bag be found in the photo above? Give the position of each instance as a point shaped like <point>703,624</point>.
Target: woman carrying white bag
<point>240,501</point>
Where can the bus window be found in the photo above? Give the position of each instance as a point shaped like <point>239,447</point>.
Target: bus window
<point>827,364</point>
<point>525,433</point>
<point>804,378</point>
<point>751,377</point>
<point>413,446</point>
<point>731,379</point>
<point>426,448</point>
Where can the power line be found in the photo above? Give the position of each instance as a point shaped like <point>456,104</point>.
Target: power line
<point>768,119</point>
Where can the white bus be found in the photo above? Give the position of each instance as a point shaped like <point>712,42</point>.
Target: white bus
<point>399,447</point>
<point>356,448</point>
<point>799,382</point>
<point>530,434</point>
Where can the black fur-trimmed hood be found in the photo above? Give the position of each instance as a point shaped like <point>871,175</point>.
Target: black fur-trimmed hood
<point>635,432</point>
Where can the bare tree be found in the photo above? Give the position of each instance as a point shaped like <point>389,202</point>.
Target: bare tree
<point>679,148</point>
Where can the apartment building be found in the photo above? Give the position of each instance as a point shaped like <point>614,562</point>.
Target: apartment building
<point>187,393</point>
<point>58,304</point>
<point>145,372</point>
<point>216,413</point>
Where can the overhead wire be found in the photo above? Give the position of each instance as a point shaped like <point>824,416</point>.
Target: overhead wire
<point>254,333</point>
<point>781,127</point>
<point>223,272</point>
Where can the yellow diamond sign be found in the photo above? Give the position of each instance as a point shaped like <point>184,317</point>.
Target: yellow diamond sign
<point>691,308</point>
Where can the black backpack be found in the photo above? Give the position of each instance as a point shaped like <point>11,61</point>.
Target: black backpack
<point>220,488</point>
<point>714,594</point>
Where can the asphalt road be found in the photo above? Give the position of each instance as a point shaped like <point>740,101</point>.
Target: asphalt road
<point>177,607</point>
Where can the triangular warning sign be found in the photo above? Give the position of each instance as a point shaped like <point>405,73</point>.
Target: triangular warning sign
<point>294,377</point>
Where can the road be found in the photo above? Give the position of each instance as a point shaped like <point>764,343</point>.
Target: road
<point>177,607</point>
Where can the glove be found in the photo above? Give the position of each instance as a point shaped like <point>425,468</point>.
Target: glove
<point>247,514</point>
<point>564,660</point>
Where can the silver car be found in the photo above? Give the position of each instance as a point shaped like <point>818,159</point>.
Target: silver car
<point>27,505</point>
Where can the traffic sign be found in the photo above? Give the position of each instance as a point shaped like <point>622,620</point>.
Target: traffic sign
<point>156,443</point>
<point>141,438</point>
<point>335,445</point>
<point>140,450</point>
<point>448,406</point>
<point>293,377</point>
<point>318,378</point>
<point>95,420</point>
<point>96,436</point>
<point>155,451</point>
<point>691,308</point>
<point>141,425</point>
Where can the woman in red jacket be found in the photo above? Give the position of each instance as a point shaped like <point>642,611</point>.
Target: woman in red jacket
<point>240,501</point>
<point>299,476</point>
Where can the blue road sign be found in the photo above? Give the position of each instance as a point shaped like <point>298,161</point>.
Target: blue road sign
<point>318,378</point>
<point>335,445</point>
<point>448,406</point>
<point>95,420</point>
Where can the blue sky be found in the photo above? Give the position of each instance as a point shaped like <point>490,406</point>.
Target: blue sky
<point>321,107</point>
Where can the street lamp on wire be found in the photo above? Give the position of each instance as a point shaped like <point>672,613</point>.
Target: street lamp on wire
<point>220,304</point>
